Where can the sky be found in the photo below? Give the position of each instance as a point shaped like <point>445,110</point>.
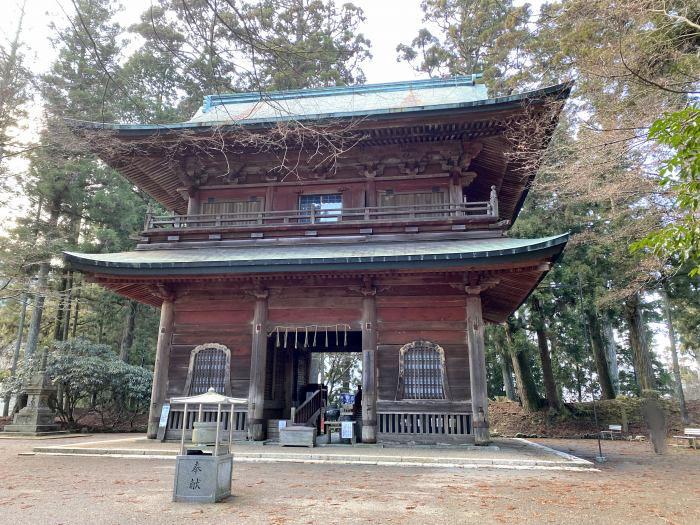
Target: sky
<point>389,22</point>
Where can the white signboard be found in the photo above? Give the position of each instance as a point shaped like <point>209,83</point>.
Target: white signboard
<point>282,423</point>
<point>164,413</point>
<point>346,429</point>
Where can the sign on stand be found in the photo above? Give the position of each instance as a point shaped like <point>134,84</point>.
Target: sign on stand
<point>346,429</point>
<point>164,413</point>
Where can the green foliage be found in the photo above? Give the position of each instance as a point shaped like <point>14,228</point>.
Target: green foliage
<point>679,175</point>
<point>93,379</point>
<point>308,43</point>
<point>476,36</point>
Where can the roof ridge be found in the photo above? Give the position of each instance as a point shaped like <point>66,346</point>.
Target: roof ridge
<point>211,101</point>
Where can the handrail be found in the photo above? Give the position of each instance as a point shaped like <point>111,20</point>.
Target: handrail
<point>371,214</point>
<point>307,410</point>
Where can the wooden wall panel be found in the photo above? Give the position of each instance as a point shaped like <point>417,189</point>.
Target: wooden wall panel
<point>214,319</point>
<point>402,319</point>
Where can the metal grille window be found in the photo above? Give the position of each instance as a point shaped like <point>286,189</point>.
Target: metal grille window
<point>326,207</point>
<point>209,367</point>
<point>422,371</point>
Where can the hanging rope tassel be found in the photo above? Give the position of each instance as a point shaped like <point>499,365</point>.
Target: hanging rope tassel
<point>296,332</point>
<point>286,331</point>
<point>337,341</point>
<point>278,337</point>
<point>345,335</point>
<point>306,337</point>
<point>315,332</point>
<point>326,337</point>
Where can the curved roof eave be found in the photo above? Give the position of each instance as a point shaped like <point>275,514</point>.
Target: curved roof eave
<point>211,261</point>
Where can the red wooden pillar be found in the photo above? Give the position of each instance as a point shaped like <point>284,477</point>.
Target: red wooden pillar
<point>258,364</point>
<point>160,368</point>
<point>477,366</point>
<point>369,365</point>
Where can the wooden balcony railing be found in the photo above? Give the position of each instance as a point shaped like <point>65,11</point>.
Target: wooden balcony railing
<point>373,215</point>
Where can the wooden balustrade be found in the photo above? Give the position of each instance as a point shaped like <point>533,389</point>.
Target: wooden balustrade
<point>426,427</point>
<point>372,215</point>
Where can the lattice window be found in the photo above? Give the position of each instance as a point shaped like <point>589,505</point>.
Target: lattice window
<point>422,371</point>
<point>210,366</point>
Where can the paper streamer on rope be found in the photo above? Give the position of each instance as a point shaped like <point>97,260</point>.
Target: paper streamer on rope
<point>309,341</point>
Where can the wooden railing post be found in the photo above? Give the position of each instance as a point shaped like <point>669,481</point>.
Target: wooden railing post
<point>148,218</point>
<point>494,202</point>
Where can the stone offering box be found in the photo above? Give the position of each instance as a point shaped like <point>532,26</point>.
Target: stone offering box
<point>203,469</point>
<point>202,478</point>
<point>298,436</point>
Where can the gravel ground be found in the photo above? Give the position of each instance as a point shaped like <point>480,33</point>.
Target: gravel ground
<point>634,486</point>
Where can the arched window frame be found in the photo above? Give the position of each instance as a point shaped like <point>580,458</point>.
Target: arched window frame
<point>400,391</point>
<point>227,366</point>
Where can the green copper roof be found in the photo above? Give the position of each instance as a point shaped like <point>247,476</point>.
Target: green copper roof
<point>308,257</point>
<point>317,103</point>
<point>365,101</point>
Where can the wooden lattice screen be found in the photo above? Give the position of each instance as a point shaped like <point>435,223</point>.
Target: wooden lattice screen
<point>248,207</point>
<point>422,371</point>
<point>210,366</point>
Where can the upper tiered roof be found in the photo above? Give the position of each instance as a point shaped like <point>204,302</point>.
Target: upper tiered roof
<point>414,114</point>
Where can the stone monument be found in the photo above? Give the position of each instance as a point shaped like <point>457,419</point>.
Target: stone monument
<point>37,417</point>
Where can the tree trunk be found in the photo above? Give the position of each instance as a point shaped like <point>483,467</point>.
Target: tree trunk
<point>58,324</point>
<point>42,286</point>
<point>18,346</point>
<point>77,308</point>
<point>611,355</point>
<point>598,348</point>
<point>128,333</point>
<point>529,399</point>
<point>550,386</point>
<point>37,310</point>
<point>69,301</point>
<point>674,357</point>
<point>507,373</point>
<point>640,352</point>
<point>579,385</point>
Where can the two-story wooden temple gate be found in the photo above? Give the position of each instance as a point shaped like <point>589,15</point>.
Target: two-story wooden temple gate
<point>402,247</point>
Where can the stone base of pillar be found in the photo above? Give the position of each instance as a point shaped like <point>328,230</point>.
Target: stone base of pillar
<point>481,434</point>
<point>369,433</point>
<point>257,430</point>
<point>153,423</point>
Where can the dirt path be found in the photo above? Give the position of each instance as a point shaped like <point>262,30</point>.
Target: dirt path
<point>634,486</point>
